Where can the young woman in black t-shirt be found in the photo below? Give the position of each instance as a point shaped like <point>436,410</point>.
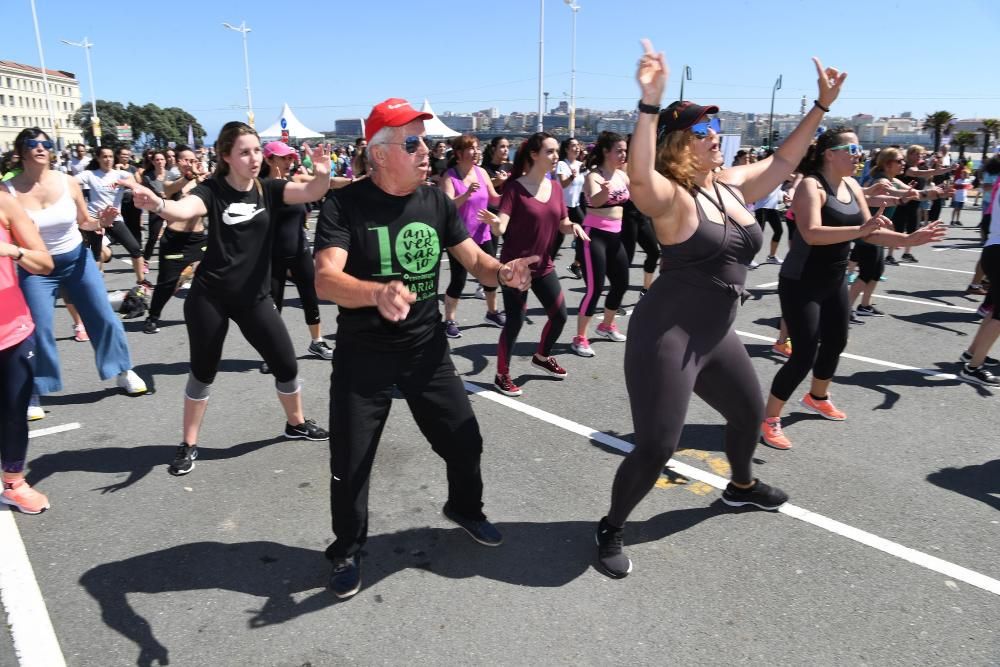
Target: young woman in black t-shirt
<point>233,280</point>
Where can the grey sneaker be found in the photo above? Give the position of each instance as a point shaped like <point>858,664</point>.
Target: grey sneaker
<point>320,349</point>
<point>497,319</point>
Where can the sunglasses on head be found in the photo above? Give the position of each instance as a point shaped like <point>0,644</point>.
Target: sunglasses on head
<point>701,129</point>
<point>853,149</point>
<point>35,143</point>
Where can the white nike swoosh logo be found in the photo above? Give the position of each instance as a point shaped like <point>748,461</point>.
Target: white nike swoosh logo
<point>238,218</point>
<point>396,106</point>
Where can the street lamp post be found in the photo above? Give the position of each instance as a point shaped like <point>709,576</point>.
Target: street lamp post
<point>95,122</point>
<point>572,77</point>
<point>45,76</point>
<point>685,74</point>
<point>770,123</point>
<point>541,61</point>
<point>242,28</point>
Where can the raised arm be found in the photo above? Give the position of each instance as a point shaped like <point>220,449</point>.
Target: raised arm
<point>652,192</point>
<point>302,193</point>
<point>758,179</point>
<point>168,209</point>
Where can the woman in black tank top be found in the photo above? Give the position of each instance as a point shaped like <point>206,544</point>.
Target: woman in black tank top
<point>681,341</point>
<point>830,212</point>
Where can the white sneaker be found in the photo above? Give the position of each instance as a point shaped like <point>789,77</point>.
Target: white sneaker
<point>752,265</point>
<point>773,259</point>
<point>480,292</point>
<point>131,383</point>
<point>581,346</point>
<point>610,332</point>
<point>35,412</point>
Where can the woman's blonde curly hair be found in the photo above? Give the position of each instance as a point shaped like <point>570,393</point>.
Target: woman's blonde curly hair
<point>675,160</point>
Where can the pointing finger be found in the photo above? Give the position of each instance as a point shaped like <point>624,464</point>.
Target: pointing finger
<point>647,46</point>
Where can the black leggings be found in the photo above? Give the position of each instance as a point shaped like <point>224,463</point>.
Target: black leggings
<point>515,302</point>
<point>17,378</point>
<point>772,217</point>
<point>207,319</point>
<point>178,250</point>
<point>870,259</point>
<point>360,397</point>
<point>638,229</point>
<point>681,342</point>
<point>603,255</point>
<point>155,225</point>
<point>459,274</point>
<point>816,313</point>
<point>991,267</point>
<point>118,233</point>
<point>303,274</point>
<point>133,219</point>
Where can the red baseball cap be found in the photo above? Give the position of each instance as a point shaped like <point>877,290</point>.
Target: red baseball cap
<point>278,148</point>
<point>393,112</point>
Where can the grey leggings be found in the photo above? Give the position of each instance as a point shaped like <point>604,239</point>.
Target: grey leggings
<point>681,342</point>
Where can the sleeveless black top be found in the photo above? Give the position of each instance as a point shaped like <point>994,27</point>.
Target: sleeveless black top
<point>716,255</point>
<point>824,262</point>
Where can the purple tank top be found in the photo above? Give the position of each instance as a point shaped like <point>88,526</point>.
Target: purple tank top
<point>469,211</point>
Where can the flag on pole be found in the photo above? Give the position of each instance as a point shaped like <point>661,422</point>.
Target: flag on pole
<point>190,136</point>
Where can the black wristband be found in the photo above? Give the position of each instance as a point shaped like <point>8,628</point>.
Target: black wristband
<point>653,109</point>
<point>20,254</point>
<point>825,109</point>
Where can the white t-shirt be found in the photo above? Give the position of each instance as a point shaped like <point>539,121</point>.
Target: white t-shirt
<point>77,165</point>
<point>572,192</point>
<point>994,237</point>
<point>104,189</point>
<point>770,201</point>
<point>960,185</point>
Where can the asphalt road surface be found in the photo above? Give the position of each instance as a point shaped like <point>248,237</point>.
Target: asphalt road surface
<point>887,557</point>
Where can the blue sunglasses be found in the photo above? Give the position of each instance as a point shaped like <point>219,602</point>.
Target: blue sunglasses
<point>853,149</point>
<point>701,129</point>
<point>35,143</point>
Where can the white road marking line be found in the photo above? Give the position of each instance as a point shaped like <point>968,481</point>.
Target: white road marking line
<point>927,561</point>
<point>878,362</point>
<point>35,641</point>
<point>765,285</point>
<point>37,433</point>
<point>934,268</point>
<point>926,303</point>
<point>979,250</point>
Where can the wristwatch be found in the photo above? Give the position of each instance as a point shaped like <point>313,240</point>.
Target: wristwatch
<point>20,254</point>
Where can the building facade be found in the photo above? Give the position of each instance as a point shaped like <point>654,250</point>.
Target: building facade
<point>22,103</point>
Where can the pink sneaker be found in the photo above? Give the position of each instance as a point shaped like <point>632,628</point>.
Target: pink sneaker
<point>24,498</point>
<point>80,333</point>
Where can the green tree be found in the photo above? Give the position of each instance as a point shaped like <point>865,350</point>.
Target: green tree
<point>151,125</point>
<point>963,139</point>
<point>990,128</point>
<point>940,123</point>
<point>110,113</point>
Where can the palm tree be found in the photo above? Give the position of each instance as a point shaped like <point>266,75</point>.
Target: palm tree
<point>963,139</point>
<point>990,128</point>
<point>940,123</point>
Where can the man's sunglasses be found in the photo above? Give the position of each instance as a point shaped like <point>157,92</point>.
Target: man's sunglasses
<point>35,143</point>
<point>701,129</point>
<point>853,149</point>
<point>411,144</point>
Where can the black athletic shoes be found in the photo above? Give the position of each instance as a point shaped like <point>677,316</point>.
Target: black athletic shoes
<point>611,560</point>
<point>979,376</point>
<point>967,358</point>
<point>345,580</point>
<point>183,462</point>
<point>481,531</point>
<point>759,495</point>
<point>307,430</point>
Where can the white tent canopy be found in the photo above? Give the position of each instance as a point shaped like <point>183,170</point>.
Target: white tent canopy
<point>434,126</point>
<point>287,121</point>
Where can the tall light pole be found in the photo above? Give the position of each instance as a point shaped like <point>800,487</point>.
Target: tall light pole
<point>770,124</point>
<point>45,75</point>
<point>541,62</point>
<point>572,77</point>
<point>242,28</point>
<point>685,74</point>
<point>95,122</point>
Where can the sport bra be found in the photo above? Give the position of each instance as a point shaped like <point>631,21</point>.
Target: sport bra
<point>616,197</point>
<point>56,224</point>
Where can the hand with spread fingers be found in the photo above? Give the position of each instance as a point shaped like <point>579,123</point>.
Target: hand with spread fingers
<point>490,219</point>
<point>652,73</point>
<point>934,231</point>
<point>876,222</point>
<point>142,197</point>
<point>320,157</point>
<point>107,216</point>
<point>393,300</point>
<point>830,80</point>
<point>517,272</point>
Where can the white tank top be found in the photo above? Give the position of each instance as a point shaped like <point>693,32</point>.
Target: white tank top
<point>57,223</point>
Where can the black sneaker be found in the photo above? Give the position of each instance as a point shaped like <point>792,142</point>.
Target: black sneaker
<point>307,430</point>
<point>611,560</point>
<point>909,258</point>
<point>979,376</point>
<point>151,326</point>
<point>345,580</point>
<point>870,311</point>
<point>966,358</point>
<point>854,319</point>
<point>482,531</point>
<point>759,495</point>
<point>183,462</point>
<point>575,271</point>
<point>891,261</point>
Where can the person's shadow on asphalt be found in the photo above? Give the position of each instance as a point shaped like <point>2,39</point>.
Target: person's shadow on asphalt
<point>534,554</point>
<point>979,482</point>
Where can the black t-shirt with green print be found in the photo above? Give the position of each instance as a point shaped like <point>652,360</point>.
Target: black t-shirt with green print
<point>391,238</point>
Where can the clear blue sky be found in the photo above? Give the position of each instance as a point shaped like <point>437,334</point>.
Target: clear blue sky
<point>333,58</point>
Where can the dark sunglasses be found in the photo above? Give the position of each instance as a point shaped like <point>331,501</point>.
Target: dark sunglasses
<point>701,129</point>
<point>35,143</point>
<point>411,144</point>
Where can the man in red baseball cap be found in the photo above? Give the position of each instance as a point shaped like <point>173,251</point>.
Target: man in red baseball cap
<point>379,243</point>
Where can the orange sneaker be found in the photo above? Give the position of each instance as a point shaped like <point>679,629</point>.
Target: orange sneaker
<point>784,349</point>
<point>24,498</point>
<point>772,435</point>
<point>824,408</point>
